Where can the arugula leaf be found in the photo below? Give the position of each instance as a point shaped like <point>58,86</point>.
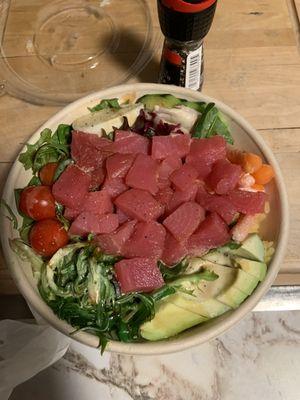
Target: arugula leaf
<point>11,217</point>
<point>49,148</point>
<point>59,210</point>
<point>34,181</point>
<point>25,228</point>
<point>27,222</point>
<point>106,103</point>
<point>27,158</point>
<point>61,167</point>
<point>171,273</point>
<point>62,134</point>
<point>206,121</point>
<point>210,123</point>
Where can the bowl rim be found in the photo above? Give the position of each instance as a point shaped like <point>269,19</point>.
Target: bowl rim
<point>178,343</point>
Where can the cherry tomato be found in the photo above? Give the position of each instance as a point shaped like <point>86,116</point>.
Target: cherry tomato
<point>47,172</point>
<point>37,202</point>
<point>47,236</point>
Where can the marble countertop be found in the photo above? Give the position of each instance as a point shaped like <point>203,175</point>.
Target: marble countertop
<point>257,359</point>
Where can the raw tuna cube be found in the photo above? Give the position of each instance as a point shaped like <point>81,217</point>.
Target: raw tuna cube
<point>112,243</point>
<point>205,152</point>
<point>122,216</point>
<point>71,187</point>
<point>89,150</point>
<point>143,174</point>
<point>97,178</point>
<point>165,169</point>
<point>118,165</point>
<point>127,142</point>
<point>147,240</point>
<point>97,202</point>
<point>174,251</point>
<point>139,204</point>
<point>71,214</point>
<point>138,275</point>
<point>114,187</point>
<point>164,196</point>
<point>247,202</point>
<point>179,197</point>
<point>177,145</point>
<point>212,232</point>
<point>224,176</point>
<point>184,220</point>
<point>184,177</point>
<point>219,204</point>
<point>87,222</point>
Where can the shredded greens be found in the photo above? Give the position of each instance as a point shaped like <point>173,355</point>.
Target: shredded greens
<point>78,283</point>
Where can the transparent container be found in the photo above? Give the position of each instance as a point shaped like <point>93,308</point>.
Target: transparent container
<point>53,52</point>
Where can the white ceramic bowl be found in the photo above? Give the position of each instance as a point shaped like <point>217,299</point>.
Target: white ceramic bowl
<point>275,227</point>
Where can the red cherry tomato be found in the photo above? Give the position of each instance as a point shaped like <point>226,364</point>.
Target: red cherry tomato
<point>47,236</point>
<point>37,202</point>
<point>47,172</point>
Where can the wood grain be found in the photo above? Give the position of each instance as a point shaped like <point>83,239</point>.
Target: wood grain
<point>252,63</point>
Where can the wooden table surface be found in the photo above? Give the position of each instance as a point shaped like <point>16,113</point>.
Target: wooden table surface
<point>252,63</point>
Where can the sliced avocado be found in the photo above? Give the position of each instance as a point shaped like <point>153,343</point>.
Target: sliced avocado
<point>162,100</point>
<point>169,101</point>
<point>226,275</point>
<point>196,105</point>
<point>245,282</point>
<point>232,297</point>
<point>251,248</point>
<point>169,320</point>
<point>219,258</point>
<point>254,268</point>
<point>206,307</point>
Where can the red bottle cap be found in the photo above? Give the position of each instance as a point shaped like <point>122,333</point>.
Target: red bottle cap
<point>186,7</point>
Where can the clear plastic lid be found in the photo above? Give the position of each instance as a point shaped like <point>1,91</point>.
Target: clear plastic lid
<point>53,52</point>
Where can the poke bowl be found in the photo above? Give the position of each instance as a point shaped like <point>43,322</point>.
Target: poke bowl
<point>144,219</point>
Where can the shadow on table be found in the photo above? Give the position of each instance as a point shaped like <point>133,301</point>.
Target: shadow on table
<point>128,53</point>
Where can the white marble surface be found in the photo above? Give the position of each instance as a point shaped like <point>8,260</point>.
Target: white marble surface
<point>257,360</point>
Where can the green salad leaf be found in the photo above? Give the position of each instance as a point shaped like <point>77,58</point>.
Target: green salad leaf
<point>11,215</point>
<point>106,103</point>
<point>26,253</point>
<point>49,148</point>
<point>210,123</point>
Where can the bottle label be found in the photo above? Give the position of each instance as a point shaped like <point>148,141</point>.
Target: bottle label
<point>182,67</point>
<point>193,69</point>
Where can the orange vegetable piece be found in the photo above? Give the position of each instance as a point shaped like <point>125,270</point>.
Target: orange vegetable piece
<point>264,175</point>
<point>258,187</point>
<point>251,162</point>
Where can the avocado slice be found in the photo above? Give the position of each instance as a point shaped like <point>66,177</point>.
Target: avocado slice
<point>169,101</point>
<point>206,307</point>
<point>162,100</point>
<point>245,282</point>
<point>227,277</point>
<point>251,248</point>
<point>169,320</point>
<point>232,297</point>
<point>255,268</point>
<point>219,258</point>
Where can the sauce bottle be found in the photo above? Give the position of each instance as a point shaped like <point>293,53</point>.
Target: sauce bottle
<point>184,25</point>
